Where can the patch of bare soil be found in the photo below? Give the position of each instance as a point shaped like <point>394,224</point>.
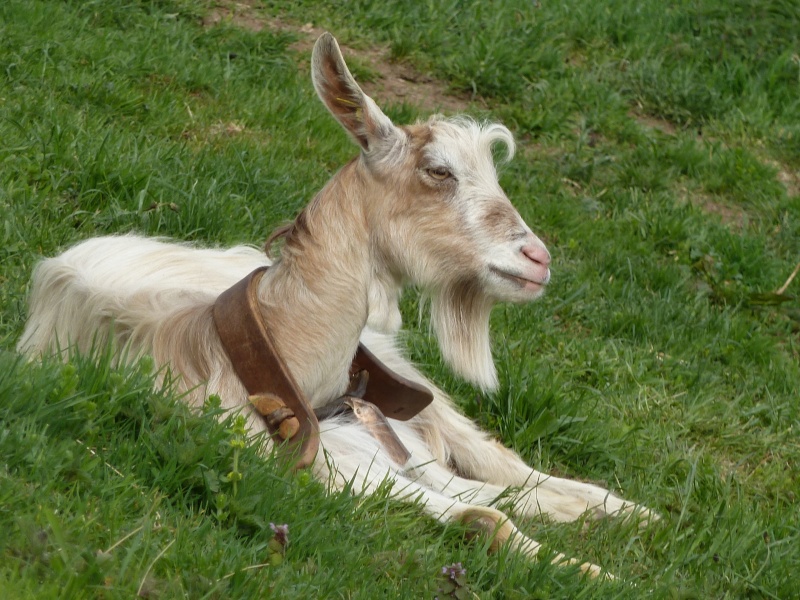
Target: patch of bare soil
<point>788,177</point>
<point>395,82</point>
<point>217,130</point>
<point>240,14</point>
<point>730,215</point>
<point>651,122</point>
<point>734,217</point>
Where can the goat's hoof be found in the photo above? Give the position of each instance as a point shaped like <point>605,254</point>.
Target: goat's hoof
<point>478,526</point>
<point>636,513</point>
<point>595,572</point>
<point>592,570</point>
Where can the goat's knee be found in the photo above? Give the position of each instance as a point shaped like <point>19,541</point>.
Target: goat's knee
<point>492,522</point>
<point>489,522</point>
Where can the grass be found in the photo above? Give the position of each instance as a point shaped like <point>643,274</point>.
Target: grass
<point>659,157</point>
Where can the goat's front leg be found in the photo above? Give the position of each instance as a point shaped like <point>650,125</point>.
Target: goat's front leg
<point>459,443</point>
<point>456,442</point>
<point>368,469</point>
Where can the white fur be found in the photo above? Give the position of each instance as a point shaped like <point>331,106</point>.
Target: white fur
<point>381,222</point>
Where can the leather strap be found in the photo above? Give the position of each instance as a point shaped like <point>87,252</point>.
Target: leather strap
<point>396,396</point>
<point>251,349</point>
<point>371,417</point>
<point>273,391</point>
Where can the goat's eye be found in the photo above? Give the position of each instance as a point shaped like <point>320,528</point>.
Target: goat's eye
<point>439,173</point>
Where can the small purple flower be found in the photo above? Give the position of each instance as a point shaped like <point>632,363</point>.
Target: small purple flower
<point>453,571</point>
<point>281,533</point>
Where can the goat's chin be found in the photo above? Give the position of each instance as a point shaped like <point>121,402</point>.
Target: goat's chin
<point>460,319</point>
<point>506,287</point>
<point>519,296</point>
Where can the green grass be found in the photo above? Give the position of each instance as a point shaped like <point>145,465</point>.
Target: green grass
<point>656,143</point>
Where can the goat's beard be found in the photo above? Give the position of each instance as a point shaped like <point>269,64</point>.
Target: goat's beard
<point>460,318</point>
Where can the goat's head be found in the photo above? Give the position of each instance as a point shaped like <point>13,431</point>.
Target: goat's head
<point>437,214</point>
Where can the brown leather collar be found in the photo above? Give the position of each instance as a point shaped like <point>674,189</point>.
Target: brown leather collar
<point>250,346</point>
<point>289,416</point>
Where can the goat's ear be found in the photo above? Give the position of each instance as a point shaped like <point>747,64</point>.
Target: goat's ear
<point>340,93</point>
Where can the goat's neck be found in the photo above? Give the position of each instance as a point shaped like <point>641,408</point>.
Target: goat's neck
<point>316,299</point>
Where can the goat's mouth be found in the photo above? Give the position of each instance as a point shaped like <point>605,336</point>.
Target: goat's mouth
<point>519,281</point>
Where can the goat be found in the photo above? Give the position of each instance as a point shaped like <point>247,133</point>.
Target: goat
<point>421,204</point>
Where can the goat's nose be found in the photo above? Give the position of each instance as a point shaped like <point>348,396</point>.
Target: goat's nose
<point>537,254</point>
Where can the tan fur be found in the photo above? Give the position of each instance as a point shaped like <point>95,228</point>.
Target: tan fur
<point>382,222</point>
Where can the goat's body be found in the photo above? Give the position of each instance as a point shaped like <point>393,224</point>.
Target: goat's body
<point>144,296</point>
<point>402,211</point>
<point>152,297</point>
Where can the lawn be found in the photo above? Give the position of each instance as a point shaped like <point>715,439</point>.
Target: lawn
<point>659,159</point>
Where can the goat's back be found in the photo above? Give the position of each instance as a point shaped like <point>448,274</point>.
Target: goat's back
<point>116,285</point>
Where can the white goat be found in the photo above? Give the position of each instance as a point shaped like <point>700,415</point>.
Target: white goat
<point>421,204</point>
